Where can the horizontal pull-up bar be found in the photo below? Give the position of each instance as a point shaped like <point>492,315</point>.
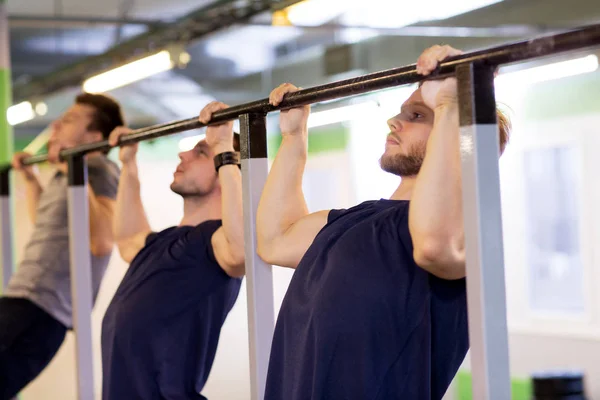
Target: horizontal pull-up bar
<point>494,57</point>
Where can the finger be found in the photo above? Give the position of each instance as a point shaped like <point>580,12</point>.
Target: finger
<point>430,61</point>
<point>206,112</point>
<point>422,61</point>
<point>215,107</point>
<point>272,97</point>
<point>275,96</point>
<point>440,54</point>
<point>283,90</point>
<point>51,155</point>
<point>116,134</point>
<point>451,51</point>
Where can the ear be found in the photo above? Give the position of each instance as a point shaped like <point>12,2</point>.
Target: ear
<point>95,136</point>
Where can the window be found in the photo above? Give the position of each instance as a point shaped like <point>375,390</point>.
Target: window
<point>552,224</point>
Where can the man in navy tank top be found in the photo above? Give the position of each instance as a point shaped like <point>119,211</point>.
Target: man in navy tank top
<point>161,330</point>
<point>376,309</point>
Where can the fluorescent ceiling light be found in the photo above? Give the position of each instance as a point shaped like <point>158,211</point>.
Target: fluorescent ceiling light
<point>188,143</point>
<point>41,108</point>
<point>317,12</point>
<point>20,113</point>
<point>340,114</point>
<point>396,14</point>
<point>549,72</point>
<point>129,73</point>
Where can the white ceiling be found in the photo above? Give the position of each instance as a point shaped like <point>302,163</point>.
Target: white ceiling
<point>238,63</point>
<point>158,9</point>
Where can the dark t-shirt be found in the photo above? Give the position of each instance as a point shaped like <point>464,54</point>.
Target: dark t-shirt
<point>361,320</point>
<point>161,330</point>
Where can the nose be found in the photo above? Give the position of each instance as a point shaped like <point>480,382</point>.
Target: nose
<point>184,155</point>
<point>394,124</point>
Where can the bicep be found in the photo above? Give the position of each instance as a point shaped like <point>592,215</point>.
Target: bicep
<point>230,260</point>
<point>288,249</point>
<point>130,247</point>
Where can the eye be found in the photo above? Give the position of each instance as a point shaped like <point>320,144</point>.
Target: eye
<point>416,115</point>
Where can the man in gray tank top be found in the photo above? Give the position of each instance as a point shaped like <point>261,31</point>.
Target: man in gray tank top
<point>36,310</point>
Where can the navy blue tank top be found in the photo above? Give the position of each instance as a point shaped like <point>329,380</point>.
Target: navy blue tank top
<point>361,320</point>
<point>161,330</point>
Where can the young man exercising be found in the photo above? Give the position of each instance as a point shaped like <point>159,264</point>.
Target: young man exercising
<point>161,329</point>
<point>376,308</point>
<point>35,311</point>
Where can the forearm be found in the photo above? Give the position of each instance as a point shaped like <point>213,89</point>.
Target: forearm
<point>130,217</point>
<point>230,179</point>
<point>282,202</point>
<point>436,215</point>
<point>33,192</point>
<point>100,217</point>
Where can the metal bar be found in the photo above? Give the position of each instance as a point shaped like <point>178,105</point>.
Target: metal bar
<point>493,57</point>
<point>486,296</point>
<point>259,278</point>
<point>7,260</point>
<point>81,278</point>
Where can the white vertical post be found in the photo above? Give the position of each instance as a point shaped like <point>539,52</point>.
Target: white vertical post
<point>259,277</point>
<point>483,233</point>
<point>81,278</point>
<point>7,260</point>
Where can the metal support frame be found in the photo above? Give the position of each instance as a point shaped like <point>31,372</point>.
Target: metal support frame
<point>259,276</point>
<point>480,150</point>
<point>81,278</point>
<point>7,258</point>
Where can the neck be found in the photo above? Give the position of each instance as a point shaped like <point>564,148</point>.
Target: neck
<point>404,190</point>
<point>94,154</point>
<point>202,208</point>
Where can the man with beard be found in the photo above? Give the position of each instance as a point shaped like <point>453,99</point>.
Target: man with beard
<point>376,308</point>
<point>161,330</point>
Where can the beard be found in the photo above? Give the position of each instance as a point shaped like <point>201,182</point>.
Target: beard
<point>184,192</point>
<point>405,164</point>
<point>188,190</point>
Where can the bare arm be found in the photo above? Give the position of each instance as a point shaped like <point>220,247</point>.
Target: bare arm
<point>101,216</point>
<point>285,229</point>
<point>33,188</point>
<point>130,224</point>
<point>33,192</point>
<point>228,240</point>
<point>436,214</point>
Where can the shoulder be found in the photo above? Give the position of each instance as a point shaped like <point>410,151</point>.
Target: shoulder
<point>382,207</point>
<point>201,234</point>
<point>103,165</point>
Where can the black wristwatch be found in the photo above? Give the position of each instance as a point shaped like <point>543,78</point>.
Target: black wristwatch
<point>228,157</point>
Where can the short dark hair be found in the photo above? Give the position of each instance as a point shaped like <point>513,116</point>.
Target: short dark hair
<point>107,112</point>
<point>504,128</point>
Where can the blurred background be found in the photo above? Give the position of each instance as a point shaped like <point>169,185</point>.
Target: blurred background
<point>238,50</point>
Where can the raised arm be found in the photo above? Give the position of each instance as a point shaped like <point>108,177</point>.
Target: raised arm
<point>33,188</point>
<point>285,229</point>
<point>436,214</point>
<point>130,225</point>
<point>228,240</point>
